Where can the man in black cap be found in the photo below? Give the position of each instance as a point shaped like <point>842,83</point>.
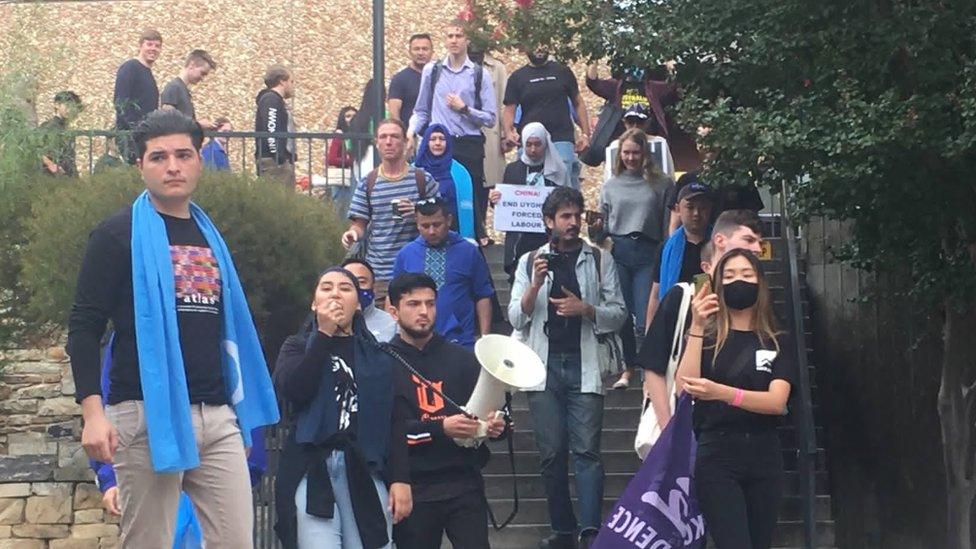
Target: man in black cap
<point>59,158</point>
<point>635,117</point>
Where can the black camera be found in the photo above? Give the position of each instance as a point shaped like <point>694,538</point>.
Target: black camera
<point>552,258</point>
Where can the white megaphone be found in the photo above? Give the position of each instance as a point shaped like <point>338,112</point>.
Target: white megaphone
<point>505,363</point>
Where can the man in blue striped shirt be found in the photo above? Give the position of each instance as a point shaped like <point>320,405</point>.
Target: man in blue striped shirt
<point>382,208</point>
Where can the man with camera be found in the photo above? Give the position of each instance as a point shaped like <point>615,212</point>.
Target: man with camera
<point>567,305</point>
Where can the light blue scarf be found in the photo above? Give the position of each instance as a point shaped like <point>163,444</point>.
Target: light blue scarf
<point>671,256</point>
<point>172,443</point>
<point>465,200</point>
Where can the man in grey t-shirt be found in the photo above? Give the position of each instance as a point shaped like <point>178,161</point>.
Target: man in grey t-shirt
<point>176,93</point>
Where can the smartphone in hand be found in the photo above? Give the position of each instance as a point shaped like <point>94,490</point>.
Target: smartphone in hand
<point>700,280</point>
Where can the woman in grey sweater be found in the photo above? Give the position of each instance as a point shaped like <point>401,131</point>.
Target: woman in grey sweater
<point>634,214</point>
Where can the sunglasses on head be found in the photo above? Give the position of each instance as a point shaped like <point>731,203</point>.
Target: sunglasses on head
<point>428,206</point>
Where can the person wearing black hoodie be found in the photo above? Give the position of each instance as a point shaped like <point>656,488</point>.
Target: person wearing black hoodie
<point>343,475</point>
<point>446,483</point>
<point>275,155</point>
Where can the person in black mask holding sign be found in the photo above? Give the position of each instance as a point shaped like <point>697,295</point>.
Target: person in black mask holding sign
<point>739,369</point>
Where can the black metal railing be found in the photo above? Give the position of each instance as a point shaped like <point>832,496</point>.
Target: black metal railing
<point>310,148</point>
<point>804,418</point>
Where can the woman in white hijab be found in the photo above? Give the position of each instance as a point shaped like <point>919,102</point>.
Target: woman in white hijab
<point>538,164</point>
<point>536,137</point>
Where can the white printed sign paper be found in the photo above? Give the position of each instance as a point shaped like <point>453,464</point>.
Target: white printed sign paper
<point>520,208</point>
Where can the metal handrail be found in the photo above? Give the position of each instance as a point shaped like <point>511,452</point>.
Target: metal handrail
<point>360,141</point>
<point>808,443</point>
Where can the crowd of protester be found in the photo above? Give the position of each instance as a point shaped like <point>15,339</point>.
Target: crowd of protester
<point>371,459</point>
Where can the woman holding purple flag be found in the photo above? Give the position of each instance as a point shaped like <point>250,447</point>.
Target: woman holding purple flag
<point>739,369</point>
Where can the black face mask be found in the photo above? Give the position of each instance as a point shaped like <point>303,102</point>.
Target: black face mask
<point>537,59</point>
<point>740,294</point>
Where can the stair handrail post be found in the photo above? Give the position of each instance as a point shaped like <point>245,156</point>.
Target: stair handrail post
<point>808,443</point>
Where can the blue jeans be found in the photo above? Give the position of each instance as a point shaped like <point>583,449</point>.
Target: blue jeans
<point>566,420</point>
<point>635,260</point>
<point>568,154</point>
<point>340,530</point>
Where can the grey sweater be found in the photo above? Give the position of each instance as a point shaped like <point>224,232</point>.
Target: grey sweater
<point>632,205</point>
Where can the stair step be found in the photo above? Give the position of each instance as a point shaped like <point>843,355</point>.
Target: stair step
<point>499,485</point>
<point>535,510</point>
<point>787,534</point>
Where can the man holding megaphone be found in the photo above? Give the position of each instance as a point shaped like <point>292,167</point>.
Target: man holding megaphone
<point>445,477</point>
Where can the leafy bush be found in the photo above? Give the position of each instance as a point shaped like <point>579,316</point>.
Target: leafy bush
<point>280,241</point>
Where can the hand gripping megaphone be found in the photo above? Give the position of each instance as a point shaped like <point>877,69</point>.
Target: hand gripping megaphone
<point>505,364</point>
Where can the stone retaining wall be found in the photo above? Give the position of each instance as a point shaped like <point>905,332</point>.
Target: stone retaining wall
<point>47,497</point>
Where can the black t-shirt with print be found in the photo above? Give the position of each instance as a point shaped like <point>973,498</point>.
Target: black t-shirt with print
<point>631,93</point>
<point>342,362</point>
<point>544,93</point>
<point>746,363</point>
<point>690,263</point>
<point>104,293</point>
<point>564,331</point>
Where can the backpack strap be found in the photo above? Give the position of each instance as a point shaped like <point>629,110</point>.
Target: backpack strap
<point>598,257</point>
<point>370,183</point>
<point>529,262</point>
<point>479,75</point>
<point>435,74</point>
<point>420,176</point>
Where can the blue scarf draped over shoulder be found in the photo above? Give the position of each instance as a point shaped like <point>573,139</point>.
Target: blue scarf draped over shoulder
<point>172,443</point>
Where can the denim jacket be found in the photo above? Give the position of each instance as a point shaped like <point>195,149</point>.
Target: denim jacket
<point>603,292</point>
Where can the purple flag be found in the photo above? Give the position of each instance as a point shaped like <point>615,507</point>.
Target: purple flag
<point>659,509</point>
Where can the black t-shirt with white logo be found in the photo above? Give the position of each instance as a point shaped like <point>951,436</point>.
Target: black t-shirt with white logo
<point>746,363</point>
<point>544,93</point>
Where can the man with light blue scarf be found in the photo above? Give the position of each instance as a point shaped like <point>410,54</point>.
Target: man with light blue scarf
<point>189,381</point>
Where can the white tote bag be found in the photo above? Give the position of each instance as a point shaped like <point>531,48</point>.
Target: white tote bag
<point>648,430</point>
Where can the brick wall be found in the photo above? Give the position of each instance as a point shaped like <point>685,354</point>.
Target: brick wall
<point>47,498</point>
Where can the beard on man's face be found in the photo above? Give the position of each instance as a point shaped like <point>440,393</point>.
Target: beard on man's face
<point>417,333</point>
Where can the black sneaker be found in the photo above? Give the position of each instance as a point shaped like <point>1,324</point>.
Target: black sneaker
<point>587,537</point>
<point>558,541</point>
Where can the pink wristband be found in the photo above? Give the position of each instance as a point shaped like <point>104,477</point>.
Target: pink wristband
<point>737,399</point>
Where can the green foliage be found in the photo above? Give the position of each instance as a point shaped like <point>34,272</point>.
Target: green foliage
<point>280,241</point>
<point>870,103</point>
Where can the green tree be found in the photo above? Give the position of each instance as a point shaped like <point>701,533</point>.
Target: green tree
<point>868,105</point>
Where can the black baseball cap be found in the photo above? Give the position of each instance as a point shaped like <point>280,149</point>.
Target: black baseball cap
<point>693,190</point>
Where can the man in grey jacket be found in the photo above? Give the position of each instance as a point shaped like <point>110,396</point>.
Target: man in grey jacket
<point>567,305</point>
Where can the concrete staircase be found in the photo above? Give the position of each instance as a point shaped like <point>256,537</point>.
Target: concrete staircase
<point>622,412</point>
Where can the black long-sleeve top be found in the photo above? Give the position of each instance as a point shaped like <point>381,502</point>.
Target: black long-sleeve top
<point>136,94</point>
<point>272,116</point>
<point>104,293</point>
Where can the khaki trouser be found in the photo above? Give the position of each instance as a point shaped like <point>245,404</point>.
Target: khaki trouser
<point>270,169</point>
<point>220,487</point>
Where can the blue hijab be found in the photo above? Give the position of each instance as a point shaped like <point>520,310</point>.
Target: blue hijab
<point>453,180</point>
